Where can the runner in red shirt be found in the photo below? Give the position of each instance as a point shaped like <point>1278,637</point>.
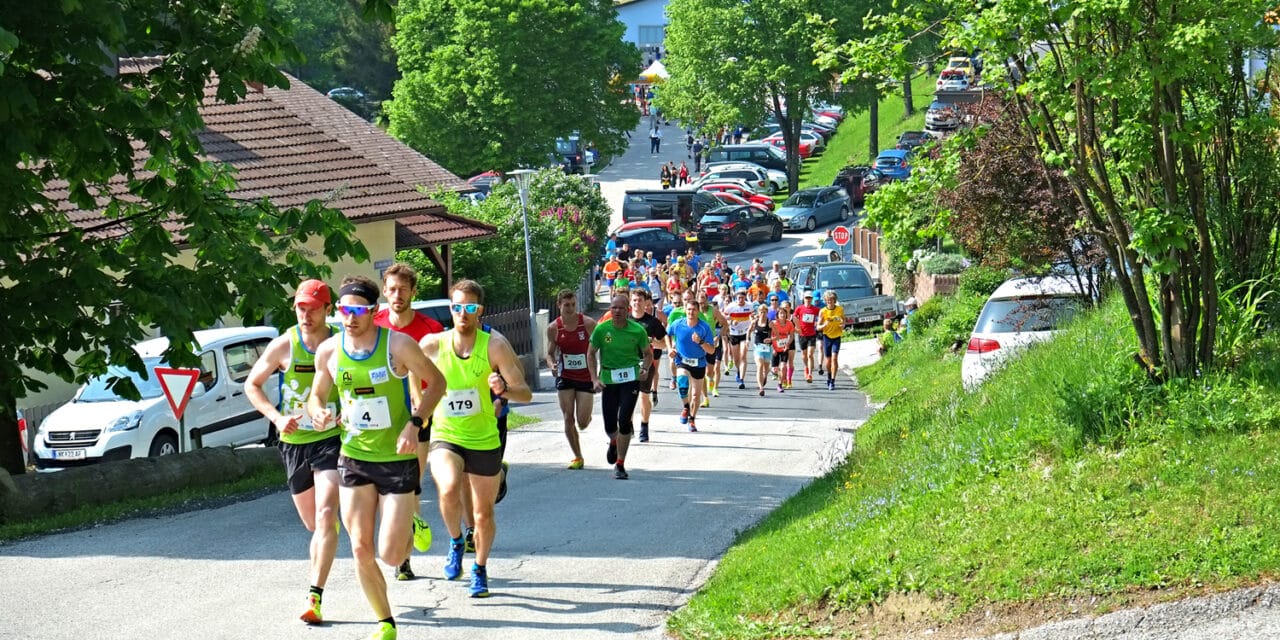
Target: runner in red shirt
<point>784,348</point>
<point>567,341</point>
<point>805,317</point>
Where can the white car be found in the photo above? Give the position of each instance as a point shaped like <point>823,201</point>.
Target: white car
<point>953,82</point>
<point>98,425</point>
<point>1021,312</point>
<point>778,179</point>
<point>756,177</point>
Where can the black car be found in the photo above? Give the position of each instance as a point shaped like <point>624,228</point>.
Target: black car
<point>911,139</point>
<point>737,226</point>
<point>660,241</point>
<point>666,204</point>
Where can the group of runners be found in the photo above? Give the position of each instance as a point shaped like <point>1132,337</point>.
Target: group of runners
<point>708,319</point>
<point>365,405</point>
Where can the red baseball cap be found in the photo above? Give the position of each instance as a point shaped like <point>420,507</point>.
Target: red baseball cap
<point>312,292</point>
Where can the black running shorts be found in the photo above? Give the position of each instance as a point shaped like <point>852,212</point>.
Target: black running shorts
<point>301,461</point>
<point>736,340</point>
<point>697,373</point>
<point>808,341</point>
<point>565,384</point>
<point>715,356</point>
<point>780,357</point>
<point>400,476</point>
<point>480,463</point>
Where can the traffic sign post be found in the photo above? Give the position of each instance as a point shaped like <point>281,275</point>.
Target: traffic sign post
<point>840,236</point>
<point>177,385</point>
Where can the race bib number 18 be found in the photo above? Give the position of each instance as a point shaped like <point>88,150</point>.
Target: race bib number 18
<point>622,375</point>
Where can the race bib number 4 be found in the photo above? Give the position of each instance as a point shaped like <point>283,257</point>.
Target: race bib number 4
<point>369,414</point>
<point>617,376</point>
<point>461,403</point>
<point>575,361</point>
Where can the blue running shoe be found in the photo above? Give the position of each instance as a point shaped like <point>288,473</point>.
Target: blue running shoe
<point>453,562</point>
<point>479,582</point>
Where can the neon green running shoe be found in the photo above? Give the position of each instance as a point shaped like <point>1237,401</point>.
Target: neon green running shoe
<point>421,534</point>
<point>385,631</point>
<point>312,614</point>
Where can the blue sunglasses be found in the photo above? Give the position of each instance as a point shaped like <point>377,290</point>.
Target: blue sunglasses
<point>355,309</point>
<point>469,307</point>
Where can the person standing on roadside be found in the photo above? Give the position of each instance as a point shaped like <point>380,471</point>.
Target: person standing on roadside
<point>619,359</point>
<point>310,456</point>
<point>567,342</point>
<point>377,464</point>
<point>655,139</point>
<point>831,325</point>
<point>400,288</point>
<point>682,175</point>
<point>481,371</point>
<point>665,177</point>
<point>697,155</point>
<point>806,317</point>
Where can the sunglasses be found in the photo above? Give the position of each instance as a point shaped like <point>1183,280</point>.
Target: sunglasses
<point>469,307</point>
<point>356,310</point>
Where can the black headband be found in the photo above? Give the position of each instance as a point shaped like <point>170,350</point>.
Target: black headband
<point>359,289</point>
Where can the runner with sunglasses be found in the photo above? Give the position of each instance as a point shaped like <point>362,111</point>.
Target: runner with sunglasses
<point>480,369</point>
<point>377,464</point>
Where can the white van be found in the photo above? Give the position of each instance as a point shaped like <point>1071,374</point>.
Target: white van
<point>98,425</point>
<point>1021,312</point>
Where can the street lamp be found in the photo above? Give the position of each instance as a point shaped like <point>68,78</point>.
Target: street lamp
<point>522,178</point>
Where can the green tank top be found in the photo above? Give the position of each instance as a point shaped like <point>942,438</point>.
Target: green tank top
<point>708,317</point>
<point>465,414</point>
<point>375,402</point>
<point>295,386</point>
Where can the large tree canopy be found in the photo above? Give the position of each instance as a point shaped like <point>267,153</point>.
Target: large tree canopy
<point>490,84</point>
<point>75,299</point>
<point>340,47</point>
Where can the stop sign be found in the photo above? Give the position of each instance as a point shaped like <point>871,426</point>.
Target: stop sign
<point>840,235</point>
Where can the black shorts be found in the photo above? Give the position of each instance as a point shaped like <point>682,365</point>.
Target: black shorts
<point>301,461</point>
<point>780,357</point>
<point>565,384</point>
<point>657,355</point>
<point>808,341</point>
<point>736,340</point>
<point>715,356</point>
<point>400,476</point>
<point>475,462</point>
<point>697,373</point>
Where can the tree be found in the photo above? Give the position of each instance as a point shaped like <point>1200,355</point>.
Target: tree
<point>341,48</point>
<point>76,297</point>
<point>1147,109</point>
<point>568,220</point>
<point>491,84</point>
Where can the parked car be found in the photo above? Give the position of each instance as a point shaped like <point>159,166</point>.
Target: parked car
<point>778,178</point>
<point>909,140</point>
<point>952,80</point>
<point>738,226</point>
<point>483,182</point>
<point>1021,312</point>
<point>573,155</point>
<point>894,164</point>
<point>687,231</point>
<point>859,181</point>
<point>345,93</point>
<point>666,204</point>
<point>942,116</point>
<point>98,425</point>
<point>726,197</point>
<point>761,153</point>
<point>660,241</point>
<point>755,176</point>
<point>811,256</point>
<point>808,208</point>
<point>863,305</point>
<point>742,189</point>
<point>804,147</point>
<point>963,64</point>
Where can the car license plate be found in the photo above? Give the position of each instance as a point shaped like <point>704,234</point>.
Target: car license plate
<point>872,318</point>
<point>68,454</point>
<point>706,229</point>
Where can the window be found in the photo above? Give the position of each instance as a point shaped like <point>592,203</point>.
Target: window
<point>650,36</point>
<point>208,370</point>
<point>240,358</point>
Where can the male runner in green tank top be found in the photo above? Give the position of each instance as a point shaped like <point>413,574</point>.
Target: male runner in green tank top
<point>310,456</point>
<point>378,465</point>
<point>465,443</point>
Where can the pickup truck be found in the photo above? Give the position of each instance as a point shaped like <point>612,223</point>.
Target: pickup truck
<point>854,290</point>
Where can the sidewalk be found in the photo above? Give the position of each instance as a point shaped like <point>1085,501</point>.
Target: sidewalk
<point>637,168</point>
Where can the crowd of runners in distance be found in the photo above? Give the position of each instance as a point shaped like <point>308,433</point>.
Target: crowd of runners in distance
<point>709,319</point>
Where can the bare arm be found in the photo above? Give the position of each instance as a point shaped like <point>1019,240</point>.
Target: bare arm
<point>593,368</point>
<point>405,352</point>
<point>508,380</point>
<point>553,350</point>
<point>272,361</point>
<point>321,384</point>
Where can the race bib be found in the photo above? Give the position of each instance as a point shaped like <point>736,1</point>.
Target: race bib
<point>808,317</point>
<point>369,414</point>
<point>575,361</point>
<point>461,403</point>
<point>617,376</point>
<point>690,362</point>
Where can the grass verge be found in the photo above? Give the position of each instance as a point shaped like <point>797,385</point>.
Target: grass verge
<point>1064,476</point>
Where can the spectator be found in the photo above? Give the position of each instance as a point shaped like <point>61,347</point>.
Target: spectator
<point>665,176</point>
<point>655,139</point>
<point>682,177</point>
<point>697,155</point>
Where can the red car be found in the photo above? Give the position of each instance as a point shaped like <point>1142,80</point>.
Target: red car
<point>858,181</point>
<point>741,190</point>
<point>806,148</point>
<point>733,198</point>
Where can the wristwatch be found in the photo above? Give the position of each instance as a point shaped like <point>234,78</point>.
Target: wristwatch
<point>416,421</point>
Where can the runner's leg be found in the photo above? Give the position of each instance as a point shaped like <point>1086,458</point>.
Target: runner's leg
<point>359,508</point>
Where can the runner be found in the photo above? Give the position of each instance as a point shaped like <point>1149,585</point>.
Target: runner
<point>711,315</point>
<point>618,359</point>
<point>691,339</point>
<point>831,324</point>
<point>761,346</point>
<point>567,339</point>
<point>642,311</point>
<point>784,348</point>
<point>467,444</point>
<point>805,317</point>
<point>739,314</point>
<point>377,465</point>
<point>310,456</point>
<point>400,287</point>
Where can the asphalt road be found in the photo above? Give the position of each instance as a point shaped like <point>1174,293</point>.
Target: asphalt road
<point>577,552</point>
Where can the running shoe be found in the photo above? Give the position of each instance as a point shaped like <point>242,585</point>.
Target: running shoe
<point>684,416</point>
<point>762,392</point>
<point>693,428</point>
<point>831,385</point>
<point>502,484</point>
<point>779,387</point>
<point>808,378</point>
<point>577,463</point>
<point>312,614</point>
<point>673,384</point>
<point>620,472</point>
<point>479,582</point>
<point>716,392</point>
<point>741,384</point>
<point>453,562</point>
<point>385,631</point>
<point>421,533</point>
<point>706,401</point>
<point>611,454</point>
<point>404,571</point>
<point>469,540</point>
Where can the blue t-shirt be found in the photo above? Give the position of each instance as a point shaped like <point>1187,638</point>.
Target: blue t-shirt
<point>741,284</point>
<point>691,353</point>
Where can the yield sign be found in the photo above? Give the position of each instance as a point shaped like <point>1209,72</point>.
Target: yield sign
<point>840,235</point>
<point>177,385</point>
